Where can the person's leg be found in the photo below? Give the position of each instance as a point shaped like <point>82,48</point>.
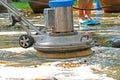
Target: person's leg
<point>88,12</point>
<point>81,12</point>
<point>82,5</point>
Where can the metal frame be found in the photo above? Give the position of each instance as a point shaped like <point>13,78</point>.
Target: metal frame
<point>23,20</point>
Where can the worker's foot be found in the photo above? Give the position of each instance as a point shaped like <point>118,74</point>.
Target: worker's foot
<point>85,22</point>
<point>90,22</point>
<point>93,22</point>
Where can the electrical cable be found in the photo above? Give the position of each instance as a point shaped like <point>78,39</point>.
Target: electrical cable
<point>109,6</point>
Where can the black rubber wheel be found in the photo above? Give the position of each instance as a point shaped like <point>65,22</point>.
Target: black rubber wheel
<point>26,41</point>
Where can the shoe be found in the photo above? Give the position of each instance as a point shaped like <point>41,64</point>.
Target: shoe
<point>85,22</point>
<point>93,22</point>
<point>89,22</point>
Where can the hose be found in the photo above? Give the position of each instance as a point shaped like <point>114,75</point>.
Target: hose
<point>109,6</point>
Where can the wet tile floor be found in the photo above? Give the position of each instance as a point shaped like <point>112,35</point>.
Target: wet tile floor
<point>16,63</point>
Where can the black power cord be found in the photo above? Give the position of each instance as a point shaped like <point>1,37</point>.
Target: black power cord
<point>109,6</point>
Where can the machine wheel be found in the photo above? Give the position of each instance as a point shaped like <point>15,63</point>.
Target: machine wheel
<point>26,41</point>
